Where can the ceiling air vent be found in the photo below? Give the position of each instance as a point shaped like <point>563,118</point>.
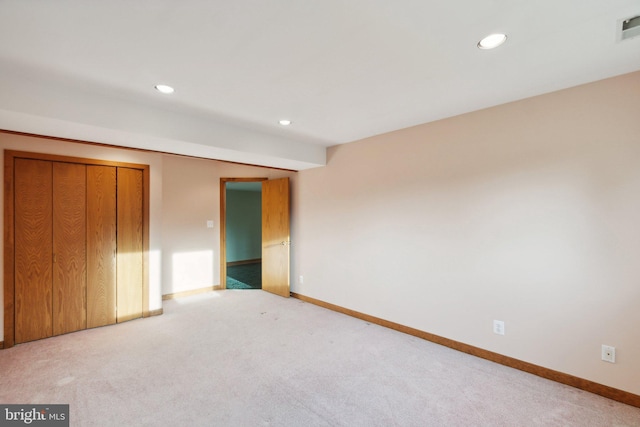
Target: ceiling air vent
<point>630,28</point>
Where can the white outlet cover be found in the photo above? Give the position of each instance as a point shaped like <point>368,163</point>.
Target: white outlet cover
<point>498,327</point>
<point>608,353</point>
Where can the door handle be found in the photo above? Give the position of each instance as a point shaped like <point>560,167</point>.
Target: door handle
<point>283,243</point>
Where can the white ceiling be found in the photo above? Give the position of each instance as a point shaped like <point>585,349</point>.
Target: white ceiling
<point>341,70</point>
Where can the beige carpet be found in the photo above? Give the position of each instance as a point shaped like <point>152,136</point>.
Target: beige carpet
<point>248,358</point>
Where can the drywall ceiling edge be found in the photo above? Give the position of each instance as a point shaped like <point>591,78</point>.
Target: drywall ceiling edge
<point>315,156</point>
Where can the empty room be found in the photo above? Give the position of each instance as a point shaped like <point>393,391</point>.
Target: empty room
<point>336,213</point>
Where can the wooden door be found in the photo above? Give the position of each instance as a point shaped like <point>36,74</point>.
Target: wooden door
<point>275,236</point>
<point>69,247</point>
<point>130,248</point>
<point>33,241</point>
<point>101,245</point>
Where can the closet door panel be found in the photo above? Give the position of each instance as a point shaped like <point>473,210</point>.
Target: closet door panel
<point>101,246</point>
<point>69,247</point>
<point>129,240</point>
<point>33,240</point>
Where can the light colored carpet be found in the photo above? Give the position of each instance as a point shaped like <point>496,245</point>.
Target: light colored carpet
<point>238,358</point>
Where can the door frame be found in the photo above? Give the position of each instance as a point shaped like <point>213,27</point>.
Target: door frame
<point>223,224</point>
<point>9,229</point>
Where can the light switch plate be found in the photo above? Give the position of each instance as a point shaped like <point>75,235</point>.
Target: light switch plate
<point>498,327</point>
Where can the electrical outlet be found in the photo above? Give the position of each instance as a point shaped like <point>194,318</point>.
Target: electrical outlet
<point>498,327</point>
<point>608,353</point>
<point>301,279</point>
<point>209,223</point>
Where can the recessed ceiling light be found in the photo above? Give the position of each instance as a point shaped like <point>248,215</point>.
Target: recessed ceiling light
<point>164,88</point>
<point>492,41</point>
<point>285,122</point>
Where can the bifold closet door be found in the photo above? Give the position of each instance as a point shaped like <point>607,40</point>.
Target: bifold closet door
<point>78,246</point>
<point>101,245</point>
<point>33,242</point>
<point>129,241</point>
<point>69,247</point>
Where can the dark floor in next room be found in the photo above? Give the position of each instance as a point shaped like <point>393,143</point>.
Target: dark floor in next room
<point>245,276</point>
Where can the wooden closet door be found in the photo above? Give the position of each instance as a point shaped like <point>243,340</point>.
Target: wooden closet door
<point>101,246</point>
<point>69,247</point>
<point>33,240</point>
<point>129,240</point>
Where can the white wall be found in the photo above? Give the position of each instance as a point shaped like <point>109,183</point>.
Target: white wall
<point>527,213</point>
<point>50,146</point>
<point>244,225</point>
<point>191,196</point>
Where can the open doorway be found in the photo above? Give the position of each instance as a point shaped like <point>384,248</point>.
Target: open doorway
<point>242,233</point>
<point>275,234</point>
